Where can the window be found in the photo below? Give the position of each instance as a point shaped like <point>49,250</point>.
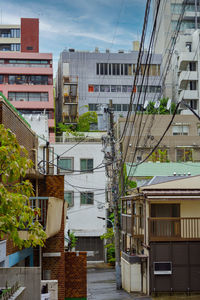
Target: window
<point>66,164</point>
<point>86,164</point>
<point>193,85</point>
<point>1,78</point>
<point>198,130</point>
<point>105,88</point>
<point>69,198</point>
<point>183,154</point>
<point>117,107</point>
<point>180,130</point>
<point>87,198</point>
<point>93,106</point>
<point>18,96</point>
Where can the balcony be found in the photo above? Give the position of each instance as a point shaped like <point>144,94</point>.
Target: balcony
<point>184,58</point>
<point>188,95</point>
<point>51,209</point>
<point>174,229</point>
<point>133,225</point>
<point>186,76</point>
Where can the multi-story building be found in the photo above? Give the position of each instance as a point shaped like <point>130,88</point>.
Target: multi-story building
<point>26,76</point>
<point>87,79</point>
<point>180,143</point>
<point>161,238</point>
<point>171,12</point>
<point>81,161</point>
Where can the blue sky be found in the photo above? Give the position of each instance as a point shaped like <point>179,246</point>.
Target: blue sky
<point>80,24</point>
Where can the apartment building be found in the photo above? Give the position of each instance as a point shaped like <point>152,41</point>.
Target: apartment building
<point>181,142</point>
<point>80,160</point>
<point>26,76</point>
<point>177,81</point>
<point>86,80</point>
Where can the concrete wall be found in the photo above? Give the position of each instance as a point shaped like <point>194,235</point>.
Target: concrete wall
<point>27,277</point>
<point>83,218</point>
<point>131,276</point>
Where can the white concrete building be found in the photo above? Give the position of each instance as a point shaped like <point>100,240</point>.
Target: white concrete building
<point>80,160</point>
<point>181,82</point>
<point>186,66</point>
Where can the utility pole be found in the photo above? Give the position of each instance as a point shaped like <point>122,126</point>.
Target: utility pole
<point>115,195</point>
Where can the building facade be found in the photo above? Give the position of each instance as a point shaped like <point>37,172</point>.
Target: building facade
<point>177,81</point>
<point>161,240</point>
<point>181,142</point>
<point>80,161</point>
<point>86,80</point>
<point>26,76</point>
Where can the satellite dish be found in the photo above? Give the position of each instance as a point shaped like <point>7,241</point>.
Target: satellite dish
<point>146,104</point>
<point>157,104</point>
<point>169,104</point>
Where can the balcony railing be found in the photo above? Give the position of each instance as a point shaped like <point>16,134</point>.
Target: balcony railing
<point>51,210</point>
<point>133,225</point>
<point>174,229</point>
<point>42,204</point>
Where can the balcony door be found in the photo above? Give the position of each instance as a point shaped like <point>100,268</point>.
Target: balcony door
<point>165,220</point>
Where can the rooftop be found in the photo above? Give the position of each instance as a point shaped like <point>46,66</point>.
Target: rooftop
<point>163,169</point>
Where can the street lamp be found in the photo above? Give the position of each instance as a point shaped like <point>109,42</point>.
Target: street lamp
<point>108,221</point>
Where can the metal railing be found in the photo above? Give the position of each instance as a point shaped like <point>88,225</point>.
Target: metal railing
<point>174,229</point>
<point>42,204</point>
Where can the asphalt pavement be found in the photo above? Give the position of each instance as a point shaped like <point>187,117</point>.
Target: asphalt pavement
<point>102,286</point>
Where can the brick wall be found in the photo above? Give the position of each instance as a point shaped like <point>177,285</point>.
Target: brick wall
<point>54,187</point>
<point>29,35</point>
<point>75,275</point>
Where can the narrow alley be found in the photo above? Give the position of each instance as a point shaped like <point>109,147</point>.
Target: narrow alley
<point>102,286</point>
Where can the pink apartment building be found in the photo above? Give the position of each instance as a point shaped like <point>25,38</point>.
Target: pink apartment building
<point>26,76</point>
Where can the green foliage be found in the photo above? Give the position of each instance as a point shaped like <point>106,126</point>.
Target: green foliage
<point>162,110</point>
<point>15,211</point>
<point>128,184</point>
<point>159,155</point>
<point>83,124</point>
<point>85,120</point>
<point>73,240</point>
<point>110,246</point>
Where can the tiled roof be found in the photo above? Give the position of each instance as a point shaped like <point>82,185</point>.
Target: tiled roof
<point>163,169</point>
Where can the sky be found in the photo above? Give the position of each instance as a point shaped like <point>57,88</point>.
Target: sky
<point>80,24</point>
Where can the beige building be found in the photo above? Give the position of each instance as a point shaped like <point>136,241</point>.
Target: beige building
<point>161,238</point>
<point>181,143</point>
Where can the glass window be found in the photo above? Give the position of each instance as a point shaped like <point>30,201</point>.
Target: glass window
<point>97,69</point>
<point>65,164</point>
<point>96,88</point>
<point>86,164</point>
<point>113,88</point>
<point>129,88</point>
<point>124,88</point>
<point>1,78</point>
<point>93,107</point>
<point>87,198</point>
<point>180,130</point>
<point>125,107</point>
<point>21,96</point>
<point>117,107</point>
<point>105,88</point>
<point>183,154</point>
<point>69,198</point>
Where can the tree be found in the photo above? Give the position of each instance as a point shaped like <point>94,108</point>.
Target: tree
<point>83,124</point>
<point>162,110</point>
<point>16,215</point>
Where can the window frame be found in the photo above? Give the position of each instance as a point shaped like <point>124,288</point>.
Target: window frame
<point>86,193</point>
<point>61,171</point>
<point>87,170</point>
<point>72,198</point>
